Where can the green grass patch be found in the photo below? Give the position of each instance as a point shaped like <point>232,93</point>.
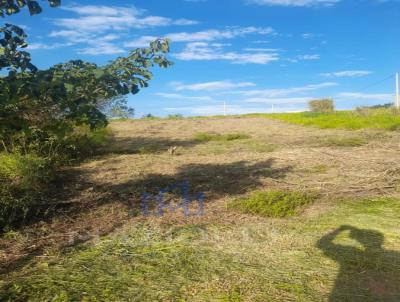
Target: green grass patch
<point>143,264</point>
<point>388,119</point>
<point>209,136</point>
<point>277,204</point>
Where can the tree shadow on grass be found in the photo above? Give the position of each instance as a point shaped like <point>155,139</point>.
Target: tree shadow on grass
<point>144,145</point>
<point>367,274</point>
<point>215,180</point>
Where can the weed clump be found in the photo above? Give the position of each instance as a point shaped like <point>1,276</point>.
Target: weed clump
<point>278,204</point>
<point>208,136</point>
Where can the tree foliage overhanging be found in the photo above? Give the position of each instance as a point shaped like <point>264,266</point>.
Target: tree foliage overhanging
<point>10,7</point>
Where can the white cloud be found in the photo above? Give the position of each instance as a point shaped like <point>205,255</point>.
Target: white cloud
<point>303,58</point>
<point>101,18</point>
<point>201,51</point>
<point>211,86</point>
<point>281,92</point>
<point>102,46</point>
<point>184,21</point>
<point>309,57</point>
<point>276,101</point>
<point>347,73</point>
<point>177,96</point>
<point>217,109</point>
<point>385,97</point>
<point>296,3</point>
<point>308,36</point>
<point>262,49</point>
<point>204,36</point>
<point>98,10</point>
<point>93,23</point>
<point>46,46</point>
<point>143,41</point>
<point>101,49</point>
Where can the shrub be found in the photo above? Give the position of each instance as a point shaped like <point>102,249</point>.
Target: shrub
<point>323,105</point>
<point>277,204</point>
<point>149,117</point>
<point>207,136</point>
<point>82,143</point>
<point>175,116</point>
<point>22,178</point>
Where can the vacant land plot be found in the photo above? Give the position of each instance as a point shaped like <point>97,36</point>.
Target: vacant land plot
<point>338,236</point>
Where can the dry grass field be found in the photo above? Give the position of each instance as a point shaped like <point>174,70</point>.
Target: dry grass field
<point>97,246</point>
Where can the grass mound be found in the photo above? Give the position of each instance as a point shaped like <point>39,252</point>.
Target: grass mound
<point>208,136</point>
<point>277,204</point>
<point>375,119</point>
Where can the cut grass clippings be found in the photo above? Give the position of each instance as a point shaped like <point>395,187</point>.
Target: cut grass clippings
<point>268,260</point>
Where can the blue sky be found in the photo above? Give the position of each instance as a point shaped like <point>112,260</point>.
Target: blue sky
<point>251,54</point>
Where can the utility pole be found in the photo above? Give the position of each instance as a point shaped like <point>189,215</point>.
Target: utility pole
<point>397,91</point>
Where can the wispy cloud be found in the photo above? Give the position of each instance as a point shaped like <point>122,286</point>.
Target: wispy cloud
<point>347,73</point>
<point>385,97</point>
<point>92,23</point>
<point>298,58</point>
<point>47,46</point>
<point>204,36</point>
<point>281,92</point>
<point>309,57</point>
<point>177,96</point>
<point>211,86</point>
<point>217,109</point>
<point>277,101</point>
<point>101,18</point>
<point>298,3</point>
<point>201,51</point>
